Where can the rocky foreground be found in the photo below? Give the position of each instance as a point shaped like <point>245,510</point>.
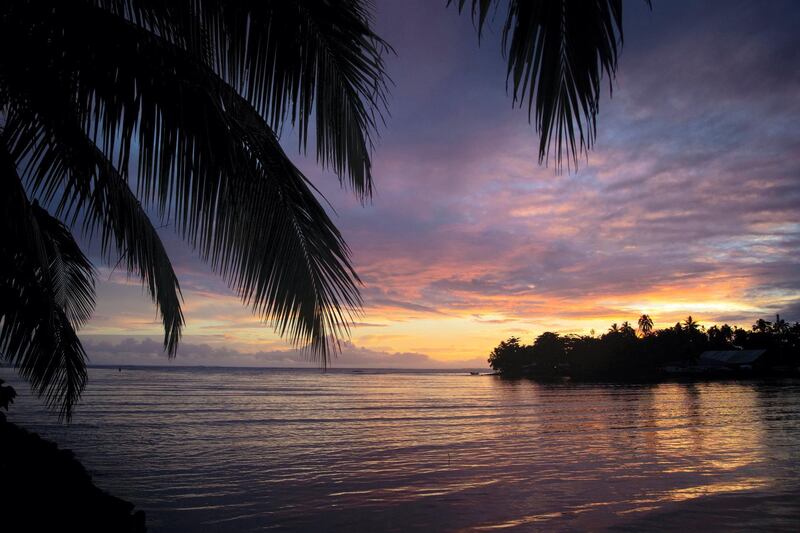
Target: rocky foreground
<point>44,488</point>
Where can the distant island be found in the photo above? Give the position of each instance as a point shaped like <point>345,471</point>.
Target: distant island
<point>687,349</point>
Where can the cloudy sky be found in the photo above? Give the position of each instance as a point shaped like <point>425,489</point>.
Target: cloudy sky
<point>690,203</point>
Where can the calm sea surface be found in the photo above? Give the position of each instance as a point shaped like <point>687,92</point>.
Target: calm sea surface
<point>224,449</point>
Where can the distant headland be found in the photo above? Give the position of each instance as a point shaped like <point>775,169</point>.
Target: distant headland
<point>688,349</point>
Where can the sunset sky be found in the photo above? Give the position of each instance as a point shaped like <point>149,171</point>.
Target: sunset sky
<point>689,204</point>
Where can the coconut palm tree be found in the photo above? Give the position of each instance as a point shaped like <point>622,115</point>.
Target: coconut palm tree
<point>557,52</point>
<point>627,329</point>
<point>645,325</point>
<point>117,112</point>
<point>690,324</point>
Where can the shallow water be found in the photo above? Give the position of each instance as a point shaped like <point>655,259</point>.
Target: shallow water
<point>233,449</point>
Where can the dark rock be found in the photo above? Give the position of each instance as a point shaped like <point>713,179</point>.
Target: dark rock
<point>44,488</point>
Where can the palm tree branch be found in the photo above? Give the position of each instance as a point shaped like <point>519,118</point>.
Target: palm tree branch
<point>224,178</point>
<point>299,60</point>
<point>557,52</point>
<point>86,183</point>
<point>71,272</point>
<point>36,334</point>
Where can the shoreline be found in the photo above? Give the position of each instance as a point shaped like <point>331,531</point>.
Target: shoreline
<point>688,378</point>
<point>46,488</point>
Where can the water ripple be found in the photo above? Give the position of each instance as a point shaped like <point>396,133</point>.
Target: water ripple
<point>224,450</point>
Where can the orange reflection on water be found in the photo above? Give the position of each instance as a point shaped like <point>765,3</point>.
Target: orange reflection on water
<point>448,452</point>
<point>636,449</point>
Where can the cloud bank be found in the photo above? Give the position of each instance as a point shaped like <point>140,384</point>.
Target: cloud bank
<point>149,352</point>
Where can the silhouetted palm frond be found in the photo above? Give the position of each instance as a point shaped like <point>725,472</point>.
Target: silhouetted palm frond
<point>70,272</point>
<point>557,53</point>
<point>118,108</point>
<point>303,61</point>
<point>46,291</point>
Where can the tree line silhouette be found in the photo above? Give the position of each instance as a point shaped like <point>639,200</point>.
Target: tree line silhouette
<point>627,352</point>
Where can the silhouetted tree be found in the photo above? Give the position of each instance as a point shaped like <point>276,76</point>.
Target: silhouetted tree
<point>509,357</point>
<point>739,337</point>
<point>549,352</point>
<point>645,325</point>
<point>114,110</point>
<point>620,354</point>
<point>726,333</point>
<point>762,326</point>
<point>627,329</point>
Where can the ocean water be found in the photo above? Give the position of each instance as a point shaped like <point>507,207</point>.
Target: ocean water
<point>257,449</point>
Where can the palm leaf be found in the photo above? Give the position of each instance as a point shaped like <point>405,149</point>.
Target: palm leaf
<point>45,284</point>
<point>71,272</point>
<point>37,338</point>
<point>67,169</point>
<point>206,160</point>
<point>303,61</point>
<point>557,53</point>
<point>118,107</point>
